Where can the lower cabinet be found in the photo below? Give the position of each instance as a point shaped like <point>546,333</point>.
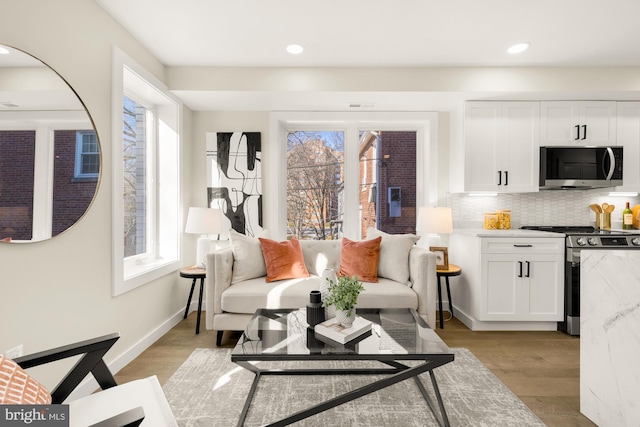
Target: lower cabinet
<point>521,287</point>
<point>508,282</point>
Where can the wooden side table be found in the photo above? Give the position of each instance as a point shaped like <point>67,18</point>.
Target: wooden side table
<point>194,273</point>
<point>453,270</point>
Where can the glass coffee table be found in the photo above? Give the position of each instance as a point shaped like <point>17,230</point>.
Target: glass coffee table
<point>396,336</point>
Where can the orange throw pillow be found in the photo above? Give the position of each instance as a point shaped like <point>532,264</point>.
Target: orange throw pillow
<point>360,259</point>
<point>18,388</point>
<point>284,260</point>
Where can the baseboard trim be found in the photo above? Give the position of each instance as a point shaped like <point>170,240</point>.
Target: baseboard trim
<point>90,384</point>
<point>477,325</point>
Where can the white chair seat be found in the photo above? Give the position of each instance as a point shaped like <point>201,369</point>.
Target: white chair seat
<point>146,393</point>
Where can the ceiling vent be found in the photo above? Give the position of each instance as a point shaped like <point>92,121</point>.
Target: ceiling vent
<point>362,104</point>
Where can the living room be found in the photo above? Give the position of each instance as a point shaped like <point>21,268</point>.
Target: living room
<point>60,290</point>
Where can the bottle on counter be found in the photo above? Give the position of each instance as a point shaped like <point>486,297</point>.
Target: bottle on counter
<point>627,218</point>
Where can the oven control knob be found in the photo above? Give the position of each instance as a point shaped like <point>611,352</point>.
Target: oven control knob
<point>593,241</point>
<point>581,241</point>
<point>635,241</point>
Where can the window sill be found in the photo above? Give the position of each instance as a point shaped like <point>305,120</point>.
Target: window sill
<point>140,274</point>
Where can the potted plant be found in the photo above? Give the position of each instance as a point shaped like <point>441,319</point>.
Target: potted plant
<point>343,295</point>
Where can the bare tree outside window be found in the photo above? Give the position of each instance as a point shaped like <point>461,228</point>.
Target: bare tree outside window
<point>134,157</point>
<point>315,183</point>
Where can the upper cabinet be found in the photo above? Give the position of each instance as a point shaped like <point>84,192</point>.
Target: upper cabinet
<point>570,123</point>
<point>501,150</point>
<point>629,138</point>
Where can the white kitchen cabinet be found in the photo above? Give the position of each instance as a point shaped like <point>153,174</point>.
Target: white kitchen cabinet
<point>501,151</point>
<point>629,138</point>
<point>571,123</point>
<point>520,287</point>
<point>508,282</point>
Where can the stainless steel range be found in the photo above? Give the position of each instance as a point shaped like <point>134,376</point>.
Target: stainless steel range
<point>577,240</point>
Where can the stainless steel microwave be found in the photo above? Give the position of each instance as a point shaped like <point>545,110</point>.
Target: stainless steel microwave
<point>580,167</point>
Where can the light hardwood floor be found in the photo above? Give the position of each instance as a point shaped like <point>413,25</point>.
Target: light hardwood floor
<point>541,368</point>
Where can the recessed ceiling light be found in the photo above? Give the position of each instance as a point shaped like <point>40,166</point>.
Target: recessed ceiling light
<point>3,51</point>
<point>295,49</point>
<point>518,48</point>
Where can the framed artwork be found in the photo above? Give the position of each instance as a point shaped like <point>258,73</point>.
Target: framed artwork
<point>442,257</point>
<point>234,179</point>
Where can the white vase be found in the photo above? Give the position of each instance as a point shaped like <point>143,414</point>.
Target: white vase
<point>344,318</point>
<point>328,277</point>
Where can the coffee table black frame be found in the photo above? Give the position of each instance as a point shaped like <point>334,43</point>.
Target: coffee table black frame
<point>396,370</point>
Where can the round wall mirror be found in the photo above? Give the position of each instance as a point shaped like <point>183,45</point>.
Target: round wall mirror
<point>49,151</point>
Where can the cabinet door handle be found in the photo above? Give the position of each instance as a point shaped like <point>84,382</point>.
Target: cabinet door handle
<point>577,132</point>
<point>522,246</point>
<point>528,269</point>
<point>506,177</point>
<point>499,177</point>
<point>519,268</point>
<point>584,131</point>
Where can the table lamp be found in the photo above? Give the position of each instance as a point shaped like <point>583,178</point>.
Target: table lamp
<point>434,220</point>
<point>203,221</point>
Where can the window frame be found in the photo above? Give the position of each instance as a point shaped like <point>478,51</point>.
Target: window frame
<point>425,124</point>
<point>164,240</point>
<point>78,174</point>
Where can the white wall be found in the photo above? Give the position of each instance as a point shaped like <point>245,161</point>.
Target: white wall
<point>58,291</point>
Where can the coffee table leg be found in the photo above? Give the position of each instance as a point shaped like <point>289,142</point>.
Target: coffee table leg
<point>442,418</point>
<point>247,402</point>
<point>402,374</point>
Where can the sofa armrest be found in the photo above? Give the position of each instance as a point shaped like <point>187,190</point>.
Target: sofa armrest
<point>422,273</point>
<point>219,273</point>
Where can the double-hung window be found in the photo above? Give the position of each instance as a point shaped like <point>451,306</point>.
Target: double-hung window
<point>87,155</point>
<point>146,156</point>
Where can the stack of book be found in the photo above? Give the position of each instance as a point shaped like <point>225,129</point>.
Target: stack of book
<point>333,330</point>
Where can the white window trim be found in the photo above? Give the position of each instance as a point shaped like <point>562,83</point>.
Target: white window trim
<point>127,277</point>
<point>425,124</point>
<point>78,163</point>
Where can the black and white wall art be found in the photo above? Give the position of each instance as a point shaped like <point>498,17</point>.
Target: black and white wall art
<point>234,179</point>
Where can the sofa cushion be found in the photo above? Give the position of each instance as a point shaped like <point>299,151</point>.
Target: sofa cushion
<point>387,294</point>
<point>394,254</point>
<point>360,259</point>
<point>283,260</point>
<point>248,296</point>
<point>248,261</point>
<point>321,254</point>
<point>18,387</point>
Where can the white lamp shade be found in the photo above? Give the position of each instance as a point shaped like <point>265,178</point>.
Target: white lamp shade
<point>435,220</point>
<point>204,221</point>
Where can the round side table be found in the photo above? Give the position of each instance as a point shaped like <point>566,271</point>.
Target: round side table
<point>195,273</point>
<point>453,270</point>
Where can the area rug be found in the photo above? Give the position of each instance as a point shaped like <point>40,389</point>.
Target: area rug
<point>209,390</point>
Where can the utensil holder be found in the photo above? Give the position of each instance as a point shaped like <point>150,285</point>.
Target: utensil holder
<point>603,221</point>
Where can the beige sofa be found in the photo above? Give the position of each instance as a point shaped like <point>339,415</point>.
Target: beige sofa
<point>236,285</point>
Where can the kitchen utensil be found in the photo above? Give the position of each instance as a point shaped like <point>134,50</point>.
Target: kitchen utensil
<point>605,206</point>
<point>610,209</point>
<point>596,208</point>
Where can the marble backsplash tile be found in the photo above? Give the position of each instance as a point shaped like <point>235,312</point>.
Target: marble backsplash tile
<point>559,207</point>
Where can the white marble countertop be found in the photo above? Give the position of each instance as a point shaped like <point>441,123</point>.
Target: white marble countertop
<point>610,337</point>
<point>516,232</point>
